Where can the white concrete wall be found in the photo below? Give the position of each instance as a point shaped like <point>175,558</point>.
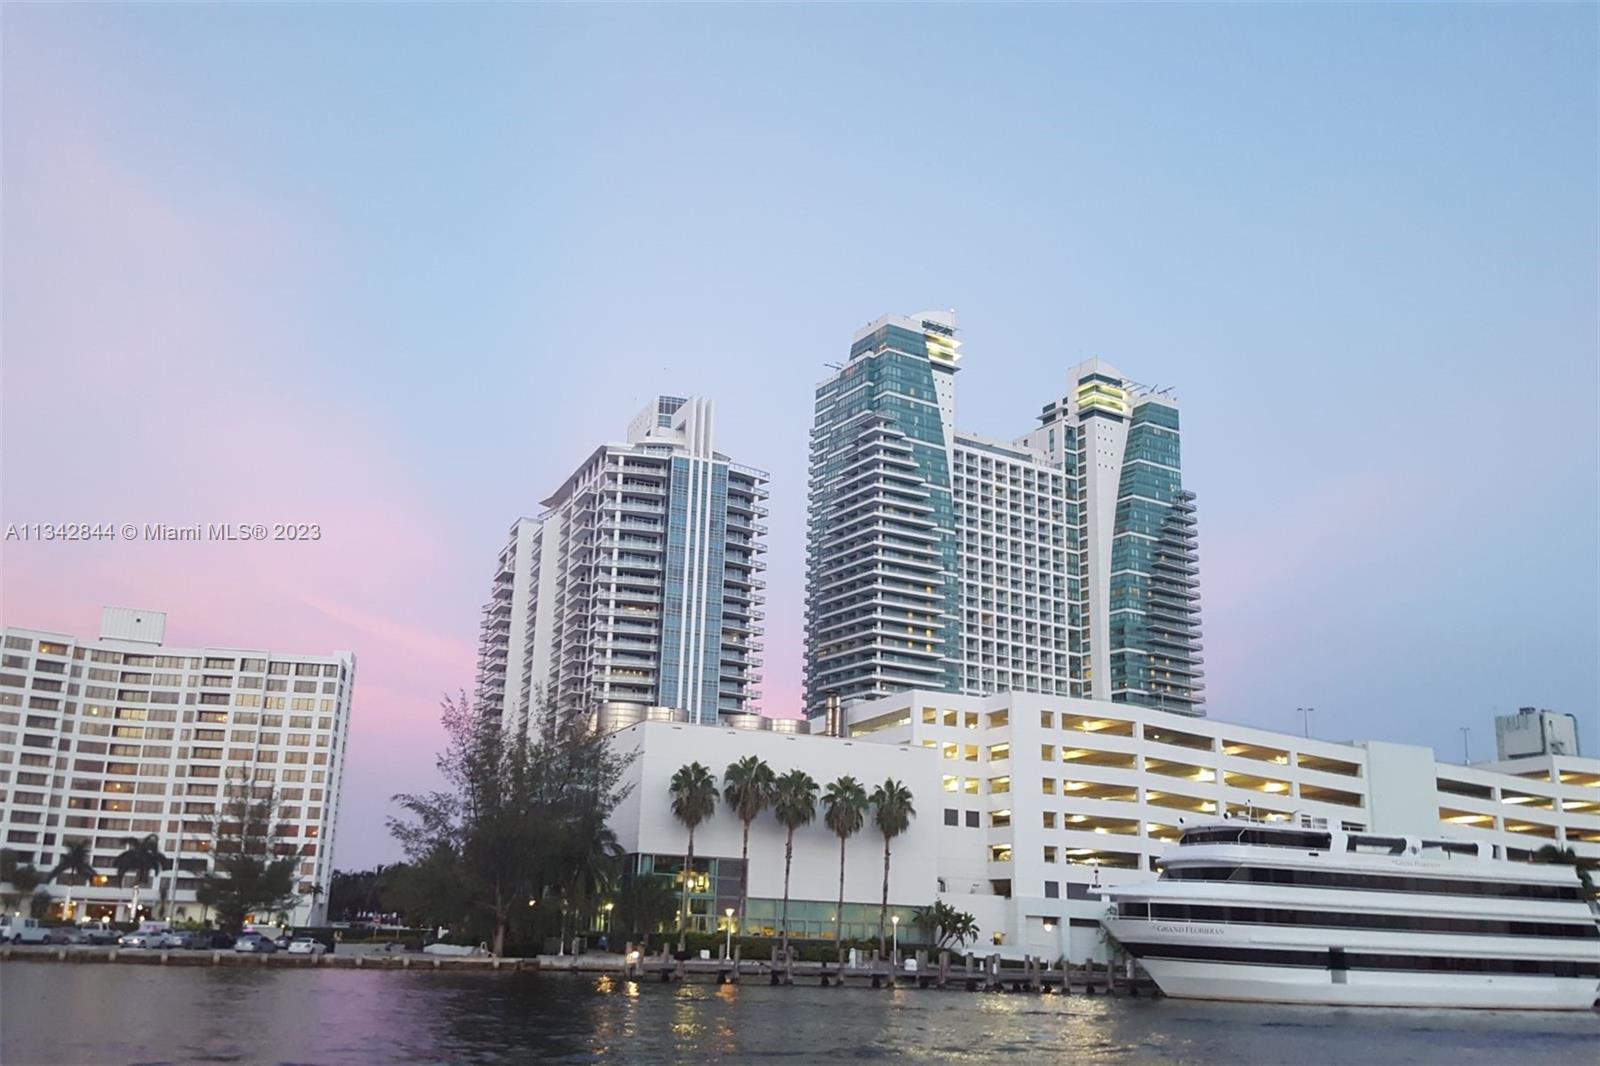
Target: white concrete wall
<point>1404,795</point>
<point>644,822</point>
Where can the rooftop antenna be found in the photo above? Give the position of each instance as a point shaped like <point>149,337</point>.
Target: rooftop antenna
<point>1466,752</point>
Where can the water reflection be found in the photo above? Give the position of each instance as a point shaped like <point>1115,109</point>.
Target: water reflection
<point>96,1013</point>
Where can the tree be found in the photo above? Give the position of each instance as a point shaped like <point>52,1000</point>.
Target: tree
<point>645,903</point>
<point>521,818</point>
<point>594,866</point>
<point>944,925</point>
<point>794,803</point>
<point>74,863</point>
<point>251,871</point>
<point>23,879</point>
<point>1566,856</point>
<point>892,811</point>
<point>694,799</point>
<point>844,811</point>
<point>747,788</point>
<point>39,903</point>
<point>142,858</point>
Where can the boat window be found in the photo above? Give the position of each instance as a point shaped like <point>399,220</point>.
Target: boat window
<point>1367,882</point>
<point>1194,912</point>
<point>1376,845</point>
<point>1258,837</point>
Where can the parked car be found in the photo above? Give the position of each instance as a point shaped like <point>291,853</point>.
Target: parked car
<point>307,945</point>
<point>214,941</point>
<point>136,940</point>
<point>254,943</point>
<point>98,933</point>
<point>64,934</point>
<point>15,929</point>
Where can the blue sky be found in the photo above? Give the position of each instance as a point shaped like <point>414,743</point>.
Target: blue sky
<point>399,268</point>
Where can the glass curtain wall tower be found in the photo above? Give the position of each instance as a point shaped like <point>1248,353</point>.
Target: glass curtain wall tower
<point>881,568</point>
<point>1139,577</point>
<point>1062,562</point>
<point>639,585</point>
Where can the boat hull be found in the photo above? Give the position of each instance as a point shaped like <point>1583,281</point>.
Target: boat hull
<point>1254,983</point>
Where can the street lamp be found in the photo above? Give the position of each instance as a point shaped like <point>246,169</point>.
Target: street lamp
<point>727,952</point>
<point>894,954</point>
<point>608,907</point>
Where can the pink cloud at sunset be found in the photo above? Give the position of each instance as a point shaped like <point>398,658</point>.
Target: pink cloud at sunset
<point>160,372</point>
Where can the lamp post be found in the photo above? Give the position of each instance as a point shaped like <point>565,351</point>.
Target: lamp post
<point>894,953</point>
<point>1305,719</point>
<point>727,951</point>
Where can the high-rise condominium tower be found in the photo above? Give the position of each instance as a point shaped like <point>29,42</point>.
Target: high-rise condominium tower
<point>881,593</point>
<point>1061,563</point>
<point>1136,529</point>
<point>640,582</point>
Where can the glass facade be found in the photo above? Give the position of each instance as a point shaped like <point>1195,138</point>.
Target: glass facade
<point>881,588</point>
<point>1153,619</point>
<point>715,889</point>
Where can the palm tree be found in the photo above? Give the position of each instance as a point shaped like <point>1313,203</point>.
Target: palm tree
<point>1566,856</point>
<point>593,866</point>
<point>892,813</point>
<point>74,863</point>
<point>694,799</point>
<point>747,787</point>
<point>23,880</point>
<point>944,925</point>
<point>141,857</point>
<point>795,804</point>
<point>844,810</point>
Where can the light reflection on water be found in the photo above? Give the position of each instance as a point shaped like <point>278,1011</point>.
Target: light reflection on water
<point>91,1013</point>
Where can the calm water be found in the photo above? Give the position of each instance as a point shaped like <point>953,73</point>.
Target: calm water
<point>54,1013</point>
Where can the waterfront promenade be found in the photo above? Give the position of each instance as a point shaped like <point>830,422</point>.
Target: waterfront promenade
<point>968,972</point>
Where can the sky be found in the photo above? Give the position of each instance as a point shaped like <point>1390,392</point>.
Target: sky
<point>396,270</point>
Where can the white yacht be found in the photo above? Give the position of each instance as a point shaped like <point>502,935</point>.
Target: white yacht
<point>1301,912</point>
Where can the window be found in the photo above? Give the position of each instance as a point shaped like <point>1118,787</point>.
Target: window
<point>1050,854</point>
<point>1047,719</point>
<point>952,816</point>
<point>1049,819</point>
<point>1047,786</point>
<point>972,819</point>
<point>1052,890</point>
